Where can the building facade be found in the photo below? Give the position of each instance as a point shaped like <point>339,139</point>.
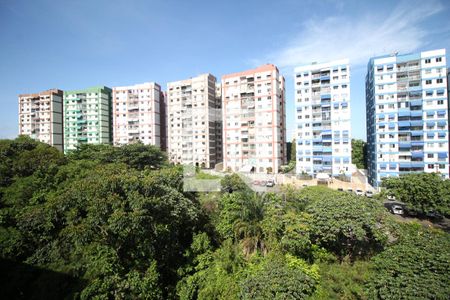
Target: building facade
<point>41,117</point>
<point>407,115</point>
<point>323,118</point>
<point>193,119</point>
<point>254,120</point>
<point>87,117</point>
<point>137,114</point>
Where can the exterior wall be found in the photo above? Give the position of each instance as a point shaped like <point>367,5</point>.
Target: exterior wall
<point>254,120</point>
<point>137,114</point>
<point>323,118</point>
<point>219,127</point>
<point>163,118</point>
<point>407,115</point>
<point>193,128</point>
<point>41,117</point>
<point>87,117</point>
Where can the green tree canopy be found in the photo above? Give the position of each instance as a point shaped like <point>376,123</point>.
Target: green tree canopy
<point>347,224</point>
<point>416,267</point>
<point>359,157</point>
<point>422,192</point>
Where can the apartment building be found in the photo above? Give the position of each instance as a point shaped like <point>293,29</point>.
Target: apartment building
<point>254,120</point>
<point>194,125</point>
<point>323,118</point>
<point>41,117</point>
<point>407,114</point>
<point>87,117</point>
<point>137,114</point>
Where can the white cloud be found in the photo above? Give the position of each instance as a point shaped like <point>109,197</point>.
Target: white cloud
<point>358,38</point>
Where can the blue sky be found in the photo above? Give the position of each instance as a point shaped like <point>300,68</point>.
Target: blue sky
<point>77,44</point>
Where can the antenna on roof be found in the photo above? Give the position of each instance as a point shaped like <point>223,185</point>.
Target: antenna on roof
<point>395,53</point>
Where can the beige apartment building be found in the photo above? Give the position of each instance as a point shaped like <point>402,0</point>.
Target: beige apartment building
<point>254,120</point>
<point>193,122</point>
<point>137,114</point>
<point>41,117</point>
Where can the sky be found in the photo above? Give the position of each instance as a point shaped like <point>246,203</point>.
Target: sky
<point>77,44</point>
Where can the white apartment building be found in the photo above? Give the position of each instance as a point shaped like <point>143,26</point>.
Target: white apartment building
<point>193,122</point>
<point>407,115</point>
<point>41,117</point>
<point>254,120</point>
<point>323,133</point>
<point>137,114</point>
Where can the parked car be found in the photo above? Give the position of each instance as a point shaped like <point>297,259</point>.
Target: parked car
<point>369,194</point>
<point>391,197</point>
<point>255,182</point>
<point>340,189</point>
<point>350,190</point>
<point>304,185</point>
<point>270,183</point>
<point>359,192</point>
<point>397,210</point>
<point>262,183</point>
<point>435,216</point>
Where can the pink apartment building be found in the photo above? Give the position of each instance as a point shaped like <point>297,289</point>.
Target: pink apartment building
<point>138,114</point>
<point>254,120</point>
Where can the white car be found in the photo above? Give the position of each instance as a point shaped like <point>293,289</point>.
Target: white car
<point>359,192</point>
<point>270,183</point>
<point>397,210</point>
<point>369,194</point>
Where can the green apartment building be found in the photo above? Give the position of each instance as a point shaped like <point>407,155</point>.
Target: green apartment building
<point>87,117</point>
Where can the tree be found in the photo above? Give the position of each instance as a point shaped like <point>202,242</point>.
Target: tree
<point>137,155</point>
<point>422,192</point>
<point>233,183</point>
<point>103,215</point>
<point>359,155</point>
<point>293,153</point>
<point>416,267</point>
<point>22,156</point>
<point>346,224</point>
<point>248,226</point>
<point>212,274</point>
<point>276,279</point>
<point>240,219</point>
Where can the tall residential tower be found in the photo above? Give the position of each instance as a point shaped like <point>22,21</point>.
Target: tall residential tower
<point>137,114</point>
<point>41,117</point>
<point>194,125</point>
<point>87,117</point>
<point>323,133</point>
<point>254,120</point>
<point>407,115</point>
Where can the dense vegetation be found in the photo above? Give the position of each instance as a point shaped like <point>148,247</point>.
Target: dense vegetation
<point>118,222</point>
<point>422,193</point>
<point>359,153</point>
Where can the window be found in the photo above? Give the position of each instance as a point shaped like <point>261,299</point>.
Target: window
<point>430,155</point>
<point>438,59</point>
<point>440,102</point>
<point>439,80</point>
<point>428,82</point>
<point>428,60</point>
